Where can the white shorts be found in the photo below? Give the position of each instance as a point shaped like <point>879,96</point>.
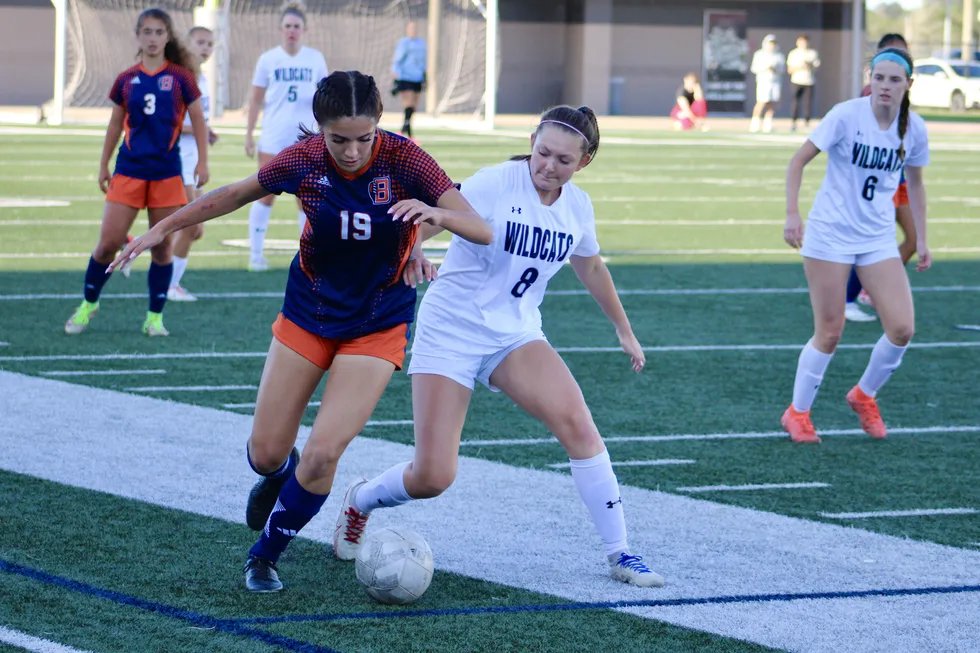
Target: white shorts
<point>275,142</point>
<point>766,92</point>
<point>862,259</point>
<point>188,161</point>
<point>464,369</point>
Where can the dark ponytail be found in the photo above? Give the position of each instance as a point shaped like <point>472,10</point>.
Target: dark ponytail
<point>581,121</point>
<point>174,51</point>
<point>345,94</point>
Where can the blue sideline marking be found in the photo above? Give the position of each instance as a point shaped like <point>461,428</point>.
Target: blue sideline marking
<point>604,605</point>
<point>232,626</point>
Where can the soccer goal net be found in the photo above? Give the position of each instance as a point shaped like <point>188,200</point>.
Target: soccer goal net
<point>99,41</point>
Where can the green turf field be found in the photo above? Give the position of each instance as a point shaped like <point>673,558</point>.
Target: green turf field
<point>691,225</point>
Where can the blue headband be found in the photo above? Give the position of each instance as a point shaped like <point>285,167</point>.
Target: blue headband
<point>891,56</point>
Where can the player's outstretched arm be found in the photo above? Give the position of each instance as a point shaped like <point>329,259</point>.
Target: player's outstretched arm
<point>452,213</point>
<point>216,203</point>
<point>595,276</point>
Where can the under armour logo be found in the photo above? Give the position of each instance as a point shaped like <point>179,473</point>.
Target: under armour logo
<point>515,209</point>
<point>610,504</point>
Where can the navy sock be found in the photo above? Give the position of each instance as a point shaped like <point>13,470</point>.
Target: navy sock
<point>294,509</point>
<point>158,281</point>
<point>286,469</point>
<point>95,278</point>
<point>853,286</point>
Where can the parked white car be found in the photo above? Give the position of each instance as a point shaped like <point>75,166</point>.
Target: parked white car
<point>953,85</point>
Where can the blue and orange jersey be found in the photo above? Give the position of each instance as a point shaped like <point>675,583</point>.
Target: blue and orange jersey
<point>155,105</point>
<point>345,281</point>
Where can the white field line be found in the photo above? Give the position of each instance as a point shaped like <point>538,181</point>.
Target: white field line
<point>564,350</point>
<point>775,251</point>
<point>103,372</point>
<point>189,388</point>
<point>637,463</point>
<point>4,344</point>
<point>482,534</point>
<point>578,292</point>
<point>899,513</point>
<point>751,487</point>
<point>33,644</point>
<point>748,435</point>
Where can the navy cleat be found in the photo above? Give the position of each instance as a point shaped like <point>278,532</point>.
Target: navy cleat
<point>261,576</point>
<point>262,497</point>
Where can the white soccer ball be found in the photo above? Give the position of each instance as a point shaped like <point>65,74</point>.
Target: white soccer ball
<point>394,565</point>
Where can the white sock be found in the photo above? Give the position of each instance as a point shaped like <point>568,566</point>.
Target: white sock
<point>180,264</point>
<point>599,489</point>
<point>767,124</point>
<point>258,224</point>
<point>301,220</point>
<point>754,126</point>
<point>809,375</point>
<point>386,490</point>
<point>885,359</point>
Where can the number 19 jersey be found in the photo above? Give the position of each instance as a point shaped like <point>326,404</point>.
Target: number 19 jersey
<point>489,295</point>
<point>345,281</point>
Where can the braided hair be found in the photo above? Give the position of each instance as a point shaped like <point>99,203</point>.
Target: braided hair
<point>344,94</point>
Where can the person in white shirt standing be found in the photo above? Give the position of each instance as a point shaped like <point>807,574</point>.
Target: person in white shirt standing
<point>768,66</point>
<point>801,63</point>
<point>868,141</point>
<point>480,321</point>
<point>283,85</point>
<point>201,44</point>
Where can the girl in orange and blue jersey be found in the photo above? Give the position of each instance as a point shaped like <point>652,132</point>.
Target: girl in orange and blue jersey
<point>365,192</point>
<point>149,99</point>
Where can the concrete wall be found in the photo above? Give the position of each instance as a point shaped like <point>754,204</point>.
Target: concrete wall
<point>26,52</point>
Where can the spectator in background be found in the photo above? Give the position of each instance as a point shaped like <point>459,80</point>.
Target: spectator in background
<point>768,66</point>
<point>801,63</point>
<point>408,64</point>
<point>690,108</point>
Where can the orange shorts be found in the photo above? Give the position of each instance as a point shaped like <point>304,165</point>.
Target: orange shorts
<point>143,194</point>
<point>901,197</point>
<point>388,345</point>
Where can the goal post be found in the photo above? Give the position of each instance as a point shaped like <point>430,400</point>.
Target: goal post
<point>95,40</point>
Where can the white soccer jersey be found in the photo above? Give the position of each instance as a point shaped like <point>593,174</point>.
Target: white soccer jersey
<point>289,82</point>
<point>489,295</point>
<point>853,211</point>
<point>187,143</point>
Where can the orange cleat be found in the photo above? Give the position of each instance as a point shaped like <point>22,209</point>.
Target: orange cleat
<point>867,411</point>
<point>798,425</point>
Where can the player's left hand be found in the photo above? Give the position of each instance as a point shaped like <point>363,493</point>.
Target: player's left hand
<point>923,257</point>
<point>416,212</point>
<point>418,270</point>
<point>633,349</point>
<point>202,174</point>
<point>212,137</point>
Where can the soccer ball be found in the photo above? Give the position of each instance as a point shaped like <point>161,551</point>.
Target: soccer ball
<point>394,565</point>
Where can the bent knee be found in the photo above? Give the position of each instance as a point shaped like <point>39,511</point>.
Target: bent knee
<point>429,483</point>
<point>900,335</point>
<point>268,456</point>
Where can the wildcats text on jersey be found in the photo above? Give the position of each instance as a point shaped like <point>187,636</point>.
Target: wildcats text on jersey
<point>876,158</point>
<point>535,242</point>
<point>293,74</point>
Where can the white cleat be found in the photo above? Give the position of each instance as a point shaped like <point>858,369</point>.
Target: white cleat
<point>630,569</point>
<point>258,264</point>
<point>348,534</point>
<point>180,294</point>
<point>853,313</point>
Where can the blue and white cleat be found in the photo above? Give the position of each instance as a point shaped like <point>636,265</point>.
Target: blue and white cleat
<point>630,569</point>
